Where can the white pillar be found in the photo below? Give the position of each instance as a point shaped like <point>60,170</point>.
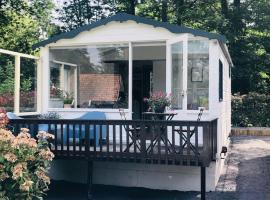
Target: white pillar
<point>17,78</point>
<point>39,85</point>
<point>130,80</point>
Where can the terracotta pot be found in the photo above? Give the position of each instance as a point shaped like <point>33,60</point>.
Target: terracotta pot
<point>67,105</point>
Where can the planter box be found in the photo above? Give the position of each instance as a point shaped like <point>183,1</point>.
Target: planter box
<point>56,103</point>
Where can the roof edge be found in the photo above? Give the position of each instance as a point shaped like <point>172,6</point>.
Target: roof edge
<point>121,17</point>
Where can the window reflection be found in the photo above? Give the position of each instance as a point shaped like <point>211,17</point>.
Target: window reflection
<point>95,76</point>
<point>198,74</point>
<point>177,74</point>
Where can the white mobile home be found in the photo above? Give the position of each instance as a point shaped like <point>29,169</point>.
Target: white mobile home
<point>116,62</point>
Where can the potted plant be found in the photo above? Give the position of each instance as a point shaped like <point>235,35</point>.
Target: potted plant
<point>202,102</point>
<point>158,101</point>
<point>56,97</point>
<point>68,100</point>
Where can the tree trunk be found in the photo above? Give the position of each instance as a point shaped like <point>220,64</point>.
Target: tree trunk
<point>164,10</point>
<point>224,8</point>
<point>132,5</point>
<point>179,4</point>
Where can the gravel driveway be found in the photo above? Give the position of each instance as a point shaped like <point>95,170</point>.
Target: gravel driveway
<point>247,173</point>
<point>246,176</point>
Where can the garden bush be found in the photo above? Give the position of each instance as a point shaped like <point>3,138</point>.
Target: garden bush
<point>252,109</point>
<point>24,163</point>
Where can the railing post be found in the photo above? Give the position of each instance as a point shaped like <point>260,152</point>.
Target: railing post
<point>203,182</point>
<point>87,139</point>
<point>89,179</point>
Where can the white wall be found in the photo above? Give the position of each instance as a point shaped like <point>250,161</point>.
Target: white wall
<point>167,177</point>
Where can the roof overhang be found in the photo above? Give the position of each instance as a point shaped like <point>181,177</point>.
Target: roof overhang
<point>123,17</point>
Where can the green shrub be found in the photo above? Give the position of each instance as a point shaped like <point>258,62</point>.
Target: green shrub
<point>252,109</point>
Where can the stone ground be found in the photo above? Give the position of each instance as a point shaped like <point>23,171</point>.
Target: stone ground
<point>246,176</point>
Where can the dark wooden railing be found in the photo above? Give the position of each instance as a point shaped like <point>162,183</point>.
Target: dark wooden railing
<point>153,142</point>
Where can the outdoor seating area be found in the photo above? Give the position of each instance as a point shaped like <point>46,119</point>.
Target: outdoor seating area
<point>149,141</point>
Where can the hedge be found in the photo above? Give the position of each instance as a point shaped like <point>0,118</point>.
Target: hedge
<point>252,109</point>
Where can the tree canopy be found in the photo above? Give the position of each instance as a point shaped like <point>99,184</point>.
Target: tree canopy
<point>246,24</point>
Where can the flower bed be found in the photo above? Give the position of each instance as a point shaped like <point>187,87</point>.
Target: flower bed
<point>24,163</point>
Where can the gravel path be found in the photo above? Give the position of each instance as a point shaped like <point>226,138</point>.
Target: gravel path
<point>246,176</point>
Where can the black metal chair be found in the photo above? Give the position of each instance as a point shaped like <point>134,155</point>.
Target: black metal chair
<point>133,132</point>
<point>183,133</point>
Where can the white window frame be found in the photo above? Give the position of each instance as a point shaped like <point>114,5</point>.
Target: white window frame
<point>182,38</point>
<point>62,81</point>
<point>185,38</point>
<point>17,79</point>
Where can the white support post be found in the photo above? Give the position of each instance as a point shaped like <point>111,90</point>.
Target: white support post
<point>168,68</point>
<point>17,81</point>
<point>62,77</point>
<point>130,80</point>
<point>75,86</point>
<point>185,70</point>
<point>39,85</point>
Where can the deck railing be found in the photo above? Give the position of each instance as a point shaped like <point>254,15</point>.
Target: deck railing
<point>156,142</point>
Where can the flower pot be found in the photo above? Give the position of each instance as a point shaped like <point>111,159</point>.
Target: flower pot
<point>160,109</point>
<point>56,103</point>
<point>67,105</point>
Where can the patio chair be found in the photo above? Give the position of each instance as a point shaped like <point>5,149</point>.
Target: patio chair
<point>183,132</point>
<point>133,132</point>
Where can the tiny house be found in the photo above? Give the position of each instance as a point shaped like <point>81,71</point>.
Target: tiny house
<point>114,64</point>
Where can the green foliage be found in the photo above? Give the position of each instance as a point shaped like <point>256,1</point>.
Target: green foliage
<point>7,77</point>
<point>24,23</point>
<point>251,110</point>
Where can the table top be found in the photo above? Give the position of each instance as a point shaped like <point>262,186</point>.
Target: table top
<point>161,114</point>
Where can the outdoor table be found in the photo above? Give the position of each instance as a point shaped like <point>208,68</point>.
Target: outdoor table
<point>161,131</point>
<point>158,116</point>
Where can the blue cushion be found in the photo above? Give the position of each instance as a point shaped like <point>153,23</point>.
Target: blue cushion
<point>94,116</point>
<point>88,116</point>
<point>11,115</point>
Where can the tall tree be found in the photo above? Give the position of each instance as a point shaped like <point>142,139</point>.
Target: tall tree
<point>244,23</point>
<point>76,13</point>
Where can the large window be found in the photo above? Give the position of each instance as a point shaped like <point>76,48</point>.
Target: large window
<point>198,74</point>
<point>177,74</point>
<point>89,77</point>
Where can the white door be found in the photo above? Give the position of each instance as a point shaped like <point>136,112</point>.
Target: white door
<point>176,74</point>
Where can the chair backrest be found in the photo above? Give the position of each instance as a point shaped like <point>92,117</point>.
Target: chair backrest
<point>11,115</point>
<point>122,114</point>
<point>200,115</point>
<point>93,115</point>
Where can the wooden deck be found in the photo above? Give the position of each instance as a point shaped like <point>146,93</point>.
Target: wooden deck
<point>187,143</point>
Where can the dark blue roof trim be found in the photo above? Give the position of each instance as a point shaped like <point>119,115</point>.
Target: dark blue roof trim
<point>121,17</point>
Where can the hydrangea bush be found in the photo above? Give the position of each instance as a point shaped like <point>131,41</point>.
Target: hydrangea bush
<point>24,163</point>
